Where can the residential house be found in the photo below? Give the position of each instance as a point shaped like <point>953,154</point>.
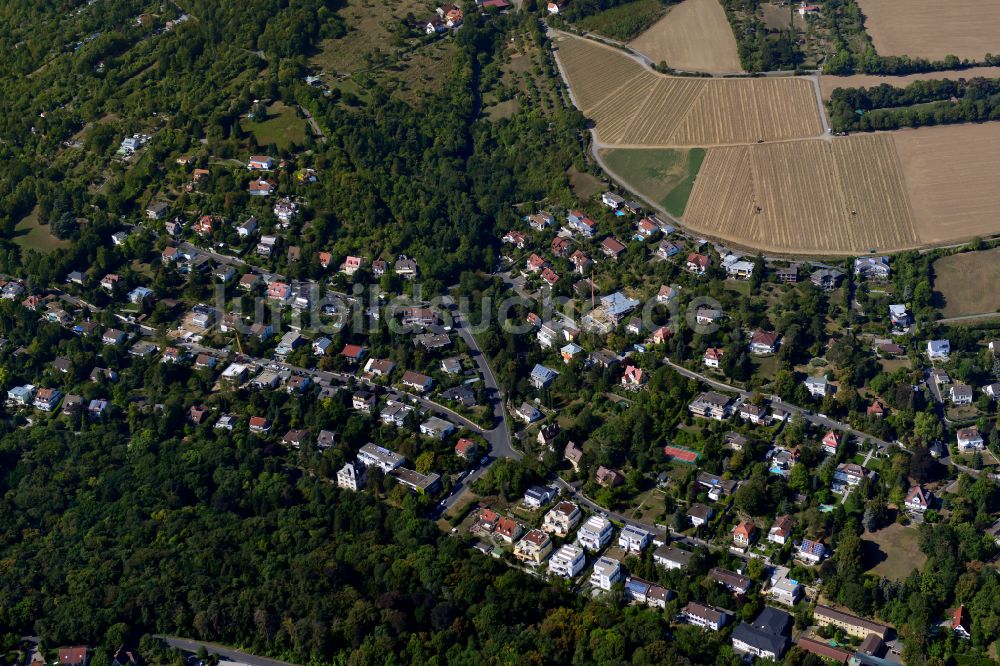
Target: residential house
<point>533,548</point>
<point>351,476</point>
<point>788,275</point>
<point>744,534</point>
<point>260,424</point>
<point>535,264</point>
<point>581,262</point>
<point>697,263</point>
<point>260,163</point>
<point>113,336</point>
<point>581,224</point>
<point>612,200</point>
<point>826,279</point>
<point>541,376</point>
<point>375,455</point>
<point>707,316</point>
<point>767,637</point>
<point>969,438</point>
<point>918,499</point>
<point>661,335</point>
<point>97,408</point>
<point>763,342</point>
<point>712,405</point>
<point>898,315</point>
<point>737,268</point>
<point>595,533</point>
<point>351,265</point>
<point>47,399</point>
<point>810,552</point>
<point>961,623</point>
<point>421,317</point>
<point>363,401</point>
<point>633,377</point>
<point>781,530</point>
<point>730,580</point>
<point>405,268</point>
<point>644,592</point>
<point>699,514</point>
<point>295,438</point>
<point>465,448</point>
<point>574,455</point>
<point>713,357</point>
<point>671,557</point>
<point>395,413</point>
<point>550,277</point>
<point>939,349</point>
<point>818,387</point>
<point>831,443</point>
<point>417,381</point>
<point>437,428</point>
<point>535,497</point>
<point>877,409</point>
<point>634,539</point>
<point>606,573</point>
<point>515,238</point>
<point>716,486</point>
<point>872,267</point>
<point>527,413</point>
<point>608,478</point>
<point>561,518</point>
<point>247,228</point>
<point>756,414</point>
<point>706,617</point>
<point>961,394</point>
<point>508,530</point>
<point>353,353</point>
<point>560,246</point>
<point>540,221</point>
<point>824,616</point>
<point>611,247</point>
<point>667,249</point>
<point>567,562</point>
<point>74,656</point>
<point>848,475</point>
<point>645,228</point>
<point>267,245</point>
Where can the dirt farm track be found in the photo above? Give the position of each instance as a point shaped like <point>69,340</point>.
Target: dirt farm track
<point>771,179</point>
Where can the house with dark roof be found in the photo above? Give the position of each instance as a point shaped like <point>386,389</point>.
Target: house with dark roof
<point>767,637</point>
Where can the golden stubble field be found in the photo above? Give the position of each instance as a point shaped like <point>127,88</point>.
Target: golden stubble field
<point>633,105</point>
<point>933,29</point>
<point>952,179</point>
<point>693,36</point>
<point>795,192</point>
<point>844,196</point>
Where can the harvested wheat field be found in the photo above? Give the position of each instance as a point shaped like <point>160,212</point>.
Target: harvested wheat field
<point>933,29</point>
<point>840,197</point>
<point>951,176</point>
<point>694,36</point>
<point>828,84</point>
<point>633,105</point>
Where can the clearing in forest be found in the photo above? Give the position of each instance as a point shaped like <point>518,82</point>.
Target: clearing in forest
<point>663,175</point>
<point>965,283</point>
<point>803,197</point>
<point>694,36</point>
<point>631,105</point>
<point>933,29</point>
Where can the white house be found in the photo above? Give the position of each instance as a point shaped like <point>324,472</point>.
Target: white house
<point>595,533</point>
<point>633,539</point>
<point>918,499</point>
<point>606,573</point>
<point>706,617</point>
<point>969,438</point>
<point>567,562</point>
<point>818,387</point>
<point>938,348</point>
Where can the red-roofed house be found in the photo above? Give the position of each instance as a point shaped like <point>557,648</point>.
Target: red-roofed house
<point>763,342</point>
<point>697,263</point>
<point>536,263</point>
<point>831,442</point>
<point>465,448</point>
<point>73,656</point>
<point>713,357</point>
<point>262,187</point>
<point>353,353</point>
<point>325,259</point>
<point>918,499</point>
<point>744,534</point>
<point>508,529</point>
<point>877,409</point>
<point>661,335</point>
<point>259,424</point>
<point>550,277</point>
<point>634,377</point>
<point>961,624</point>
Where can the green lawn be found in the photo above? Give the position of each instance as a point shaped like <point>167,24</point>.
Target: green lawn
<point>663,175</point>
<point>283,127</point>
<point>624,22</point>
<point>30,234</point>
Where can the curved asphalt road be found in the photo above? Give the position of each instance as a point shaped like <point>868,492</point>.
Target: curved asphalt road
<point>227,653</point>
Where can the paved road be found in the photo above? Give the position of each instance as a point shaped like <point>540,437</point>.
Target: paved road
<point>221,258</point>
<point>226,652</point>
<point>815,419</point>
